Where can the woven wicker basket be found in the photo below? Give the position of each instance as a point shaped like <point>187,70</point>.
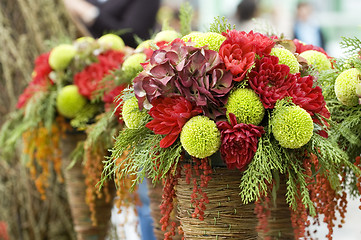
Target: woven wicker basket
<point>225,217</point>
<point>75,187</point>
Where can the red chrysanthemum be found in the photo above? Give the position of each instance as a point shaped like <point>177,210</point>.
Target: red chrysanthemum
<point>169,115</point>
<point>270,80</point>
<point>239,49</point>
<point>110,100</point>
<point>238,142</point>
<point>88,80</point>
<point>40,80</point>
<point>42,69</point>
<point>307,96</point>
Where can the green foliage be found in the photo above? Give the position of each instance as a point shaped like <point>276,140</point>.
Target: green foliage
<point>351,45</point>
<point>76,155</point>
<point>220,25</point>
<point>185,16</point>
<point>143,155</point>
<point>257,177</point>
<point>40,109</point>
<point>85,115</point>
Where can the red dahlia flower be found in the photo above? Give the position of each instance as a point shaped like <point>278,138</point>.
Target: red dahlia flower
<point>271,80</point>
<point>169,116</point>
<point>88,80</point>
<point>239,49</point>
<point>307,96</point>
<point>238,142</point>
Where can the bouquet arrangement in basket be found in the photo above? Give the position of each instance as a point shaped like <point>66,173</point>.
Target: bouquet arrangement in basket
<point>72,91</point>
<point>251,98</point>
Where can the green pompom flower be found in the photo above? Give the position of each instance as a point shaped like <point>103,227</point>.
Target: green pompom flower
<point>132,116</point>
<point>111,41</point>
<point>212,39</point>
<point>200,137</point>
<point>345,86</point>
<point>61,56</point>
<point>317,59</point>
<point>286,57</point>
<point>131,66</point>
<point>69,101</point>
<point>292,126</point>
<point>144,45</point>
<point>166,35</point>
<point>246,105</point>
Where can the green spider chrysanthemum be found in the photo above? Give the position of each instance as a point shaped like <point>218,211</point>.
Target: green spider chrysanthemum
<point>132,116</point>
<point>212,39</point>
<point>318,59</point>
<point>131,66</point>
<point>200,137</point>
<point>292,126</point>
<point>246,105</point>
<point>286,57</point>
<point>345,86</point>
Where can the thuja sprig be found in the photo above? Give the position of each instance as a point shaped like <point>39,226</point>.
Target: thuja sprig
<point>143,156</point>
<point>256,179</point>
<point>220,25</point>
<point>351,45</point>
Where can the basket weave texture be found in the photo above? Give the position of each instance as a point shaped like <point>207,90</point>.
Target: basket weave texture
<point>75,188</point>
<point>226,217</point>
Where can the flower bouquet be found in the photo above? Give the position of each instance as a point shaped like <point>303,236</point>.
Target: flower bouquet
<point>65,118</point>
<point>227,119</point>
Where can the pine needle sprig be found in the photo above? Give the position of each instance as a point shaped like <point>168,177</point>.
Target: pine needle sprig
<point>185,17</point>
<point>220,25</point>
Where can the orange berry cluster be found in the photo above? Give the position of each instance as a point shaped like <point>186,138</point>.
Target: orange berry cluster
<point>92,170</point>
<point>167,205</point>
<point>42,145</point>
<point>326,199</point>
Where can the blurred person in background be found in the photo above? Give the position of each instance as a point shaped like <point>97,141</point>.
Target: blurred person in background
<point>123,17</point>
<point>306,28</point>
<point>247,11</point>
